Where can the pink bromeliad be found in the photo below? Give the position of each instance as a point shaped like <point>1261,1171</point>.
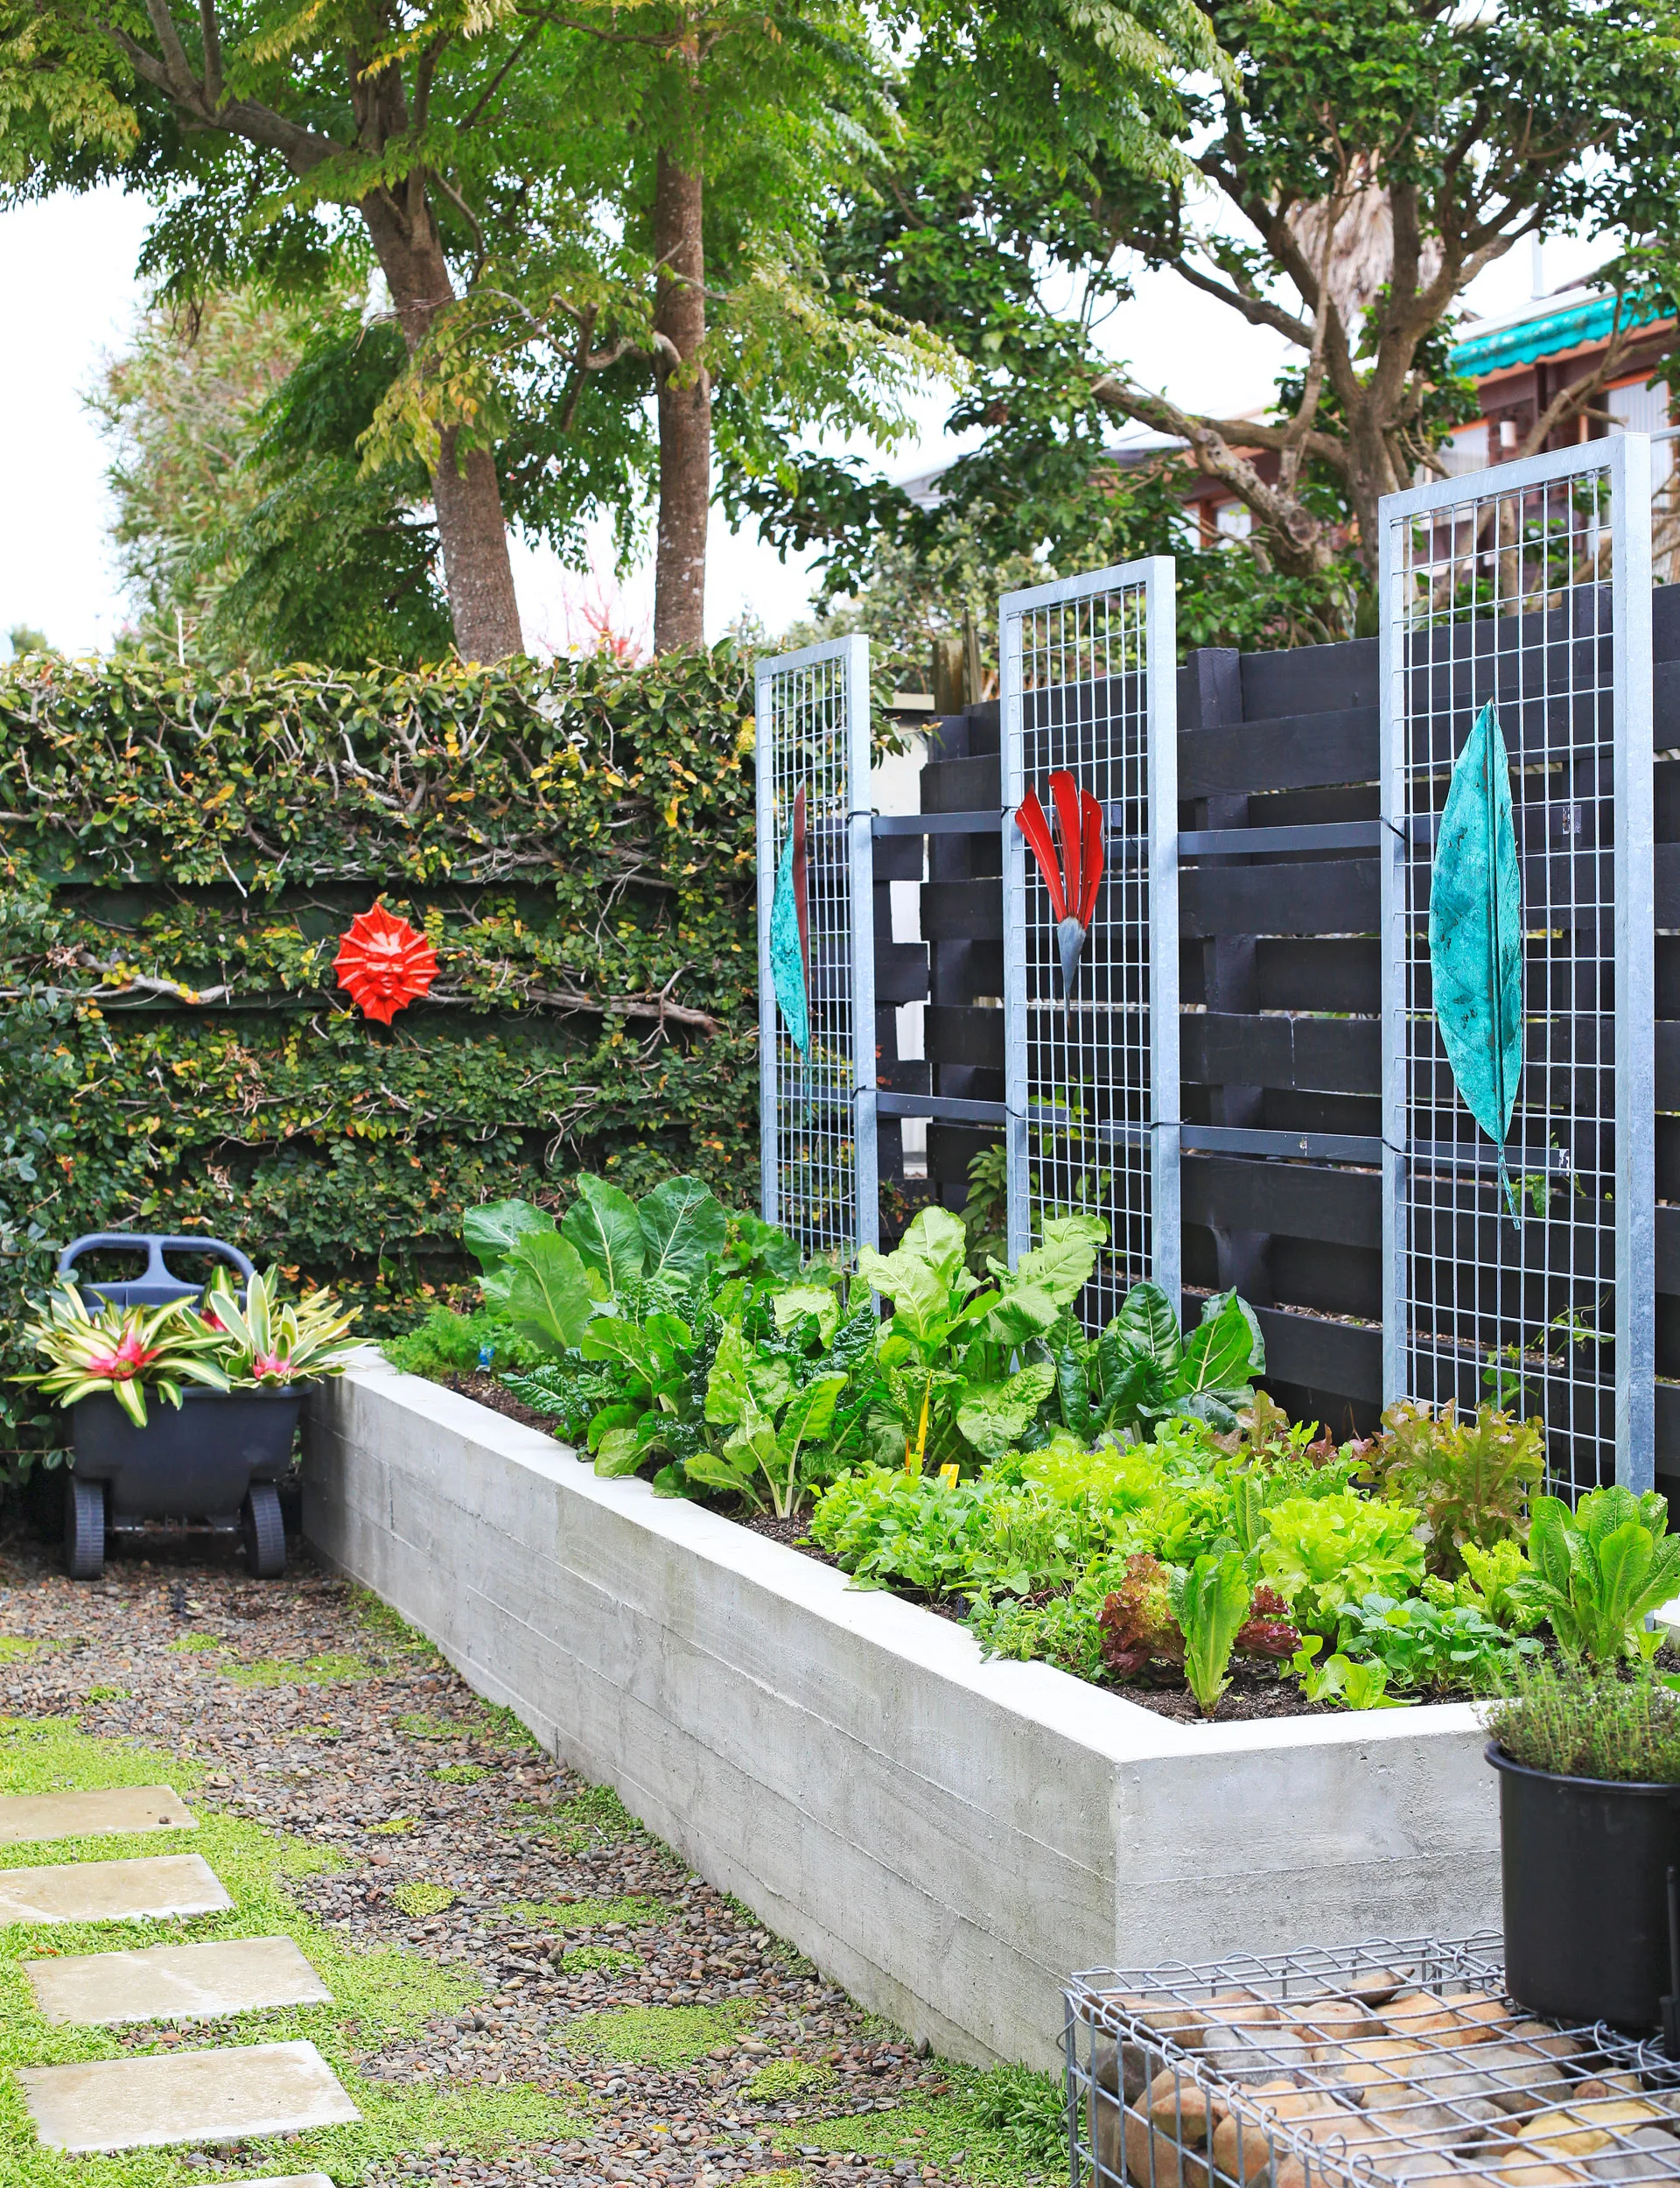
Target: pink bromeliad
<point>130,1358</point>
<point>267,1364</point>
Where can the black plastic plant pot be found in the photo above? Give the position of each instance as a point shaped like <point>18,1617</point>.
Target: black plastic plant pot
<point>198,1462</point>
<point>1585,1866</point>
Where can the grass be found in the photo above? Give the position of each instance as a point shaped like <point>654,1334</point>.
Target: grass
<point>389,1627</point>
<point>195,1645</point>
<point>379,1996</point>
<point>313,1670</point>
<point>782,2080</point>
<point>461,1773</point>
<point>1006,2122</point>
<point>595,1816</point>
<point>589,1914</point>
<point>17,1648</point>
<point>393,1828</point>
<point>610,1960</point>
<point>418,1724</point>
<point>110,1693</point>
<point>420,1899</point>
<point>656,2035</point>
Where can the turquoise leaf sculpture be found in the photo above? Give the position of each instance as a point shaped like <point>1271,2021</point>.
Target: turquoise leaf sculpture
<point>788,943</point>
<point>1475,936</point>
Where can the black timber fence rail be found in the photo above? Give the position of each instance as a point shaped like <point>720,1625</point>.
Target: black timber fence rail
<point>1280,986</point>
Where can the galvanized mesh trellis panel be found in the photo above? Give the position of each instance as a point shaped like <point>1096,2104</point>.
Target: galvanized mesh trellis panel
<point>1530,585</point>
<point>1090,685</point>
<point>816,1114</point>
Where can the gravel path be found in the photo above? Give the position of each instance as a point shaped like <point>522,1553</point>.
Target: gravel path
<point>312,1711</point>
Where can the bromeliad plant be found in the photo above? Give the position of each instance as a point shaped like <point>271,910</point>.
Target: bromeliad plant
<point>121,1352</point>
<point>264,1342</point>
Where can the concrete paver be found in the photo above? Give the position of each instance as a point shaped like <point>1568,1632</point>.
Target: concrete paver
<point>27,1817</point>
<point>219,2096</point>
<point>176,1982</point>
<point>158,1886</point>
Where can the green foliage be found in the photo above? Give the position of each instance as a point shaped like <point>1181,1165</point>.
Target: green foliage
<point>1355,1684</point>
<point>1323,1553</point>
<point>184,853</point>
<point>1141,1370</point>
<point>1471,1480</point>
<point>450,1344</point>
<point>1577,1719</point>
<point>103,1350</point>
<point>1600,1570</point>
<point>656,2035</point>
<point>784,2081</point>
<point>1211,1604</point>
<point>1422,1646</point>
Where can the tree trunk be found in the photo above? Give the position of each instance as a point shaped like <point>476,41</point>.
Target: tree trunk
<point>684,409</point>
<point>465,493</point>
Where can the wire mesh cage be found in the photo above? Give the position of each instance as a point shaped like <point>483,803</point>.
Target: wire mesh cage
<point>1522,1271</point>
<point>816,1100</point>
<point>1399,2062</point>
<point>1091,1078</point>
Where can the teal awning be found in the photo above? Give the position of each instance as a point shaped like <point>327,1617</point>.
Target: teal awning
<point>1546,335</point>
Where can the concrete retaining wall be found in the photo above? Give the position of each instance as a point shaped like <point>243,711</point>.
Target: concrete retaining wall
<point>948,1837</point>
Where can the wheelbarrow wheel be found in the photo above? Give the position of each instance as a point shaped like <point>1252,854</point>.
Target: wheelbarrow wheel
<point>265,1533</point>
<point>84,1528</point>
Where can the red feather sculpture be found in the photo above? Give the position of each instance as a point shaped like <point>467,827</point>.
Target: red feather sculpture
<point>1072,880</point>
<point>385,964</point>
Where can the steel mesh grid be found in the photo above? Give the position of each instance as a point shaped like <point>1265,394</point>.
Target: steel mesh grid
<point>1090,684</point>
<point>816,1117</point>
<point>1518,585</point>
<point>1395,2061</point>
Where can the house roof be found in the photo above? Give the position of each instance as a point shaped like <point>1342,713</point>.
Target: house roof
<point>1548,328</point>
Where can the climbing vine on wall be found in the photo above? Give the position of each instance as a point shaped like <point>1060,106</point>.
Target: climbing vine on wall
<point>179,860</point>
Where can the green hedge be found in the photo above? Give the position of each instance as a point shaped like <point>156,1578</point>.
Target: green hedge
<point>181,859</point>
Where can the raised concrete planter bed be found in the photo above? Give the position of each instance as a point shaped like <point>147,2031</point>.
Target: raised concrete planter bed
<point>948,1837</point>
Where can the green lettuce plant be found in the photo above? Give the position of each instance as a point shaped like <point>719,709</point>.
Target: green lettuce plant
<point>1323,1553</point>
<point>1471,1480</point>
<point>1343,1678</point>
<point>1211,1602</point>
<point>1601,1569</point>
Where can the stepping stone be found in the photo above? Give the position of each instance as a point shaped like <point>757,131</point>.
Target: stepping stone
<point>161,1885</point>
<point>222,2096</point>
<point>32,1816</point>
<point>176,1982</point>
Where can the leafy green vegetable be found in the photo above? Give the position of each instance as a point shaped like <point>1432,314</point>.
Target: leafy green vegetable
<point>549,1299</point>
<point>1421,1645</point>
<point>491,1233</point>
<point>1600,1570</point>
<point>1211,1604</point>
<point>1323,1553</point>
<point>1471,1480</point>
<point>602,1223</point>
<point>772,1420</point>
<point>682,1230</point>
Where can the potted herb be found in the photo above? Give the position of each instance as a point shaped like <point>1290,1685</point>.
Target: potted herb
<point>1588,1753</point>
<point>188,1409</point>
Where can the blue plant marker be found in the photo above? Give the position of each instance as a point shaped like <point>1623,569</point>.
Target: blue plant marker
<point>1475,938</point>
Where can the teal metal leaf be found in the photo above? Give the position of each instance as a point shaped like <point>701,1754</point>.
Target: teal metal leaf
<point>787,957</point>
<point>1475,934</point>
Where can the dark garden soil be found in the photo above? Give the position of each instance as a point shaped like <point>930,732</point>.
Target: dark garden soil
<point>491,1390</point>
<point>309,1710</point>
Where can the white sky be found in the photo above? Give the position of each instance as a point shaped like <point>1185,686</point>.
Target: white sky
<point>74,258</point>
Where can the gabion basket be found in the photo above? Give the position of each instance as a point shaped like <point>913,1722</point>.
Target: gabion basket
<point>1390,2062</point>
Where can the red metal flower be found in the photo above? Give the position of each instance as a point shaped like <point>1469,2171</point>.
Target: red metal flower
<point>384,962</point>
<point>1072,881</point>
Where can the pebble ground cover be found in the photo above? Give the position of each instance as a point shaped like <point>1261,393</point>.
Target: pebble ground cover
<point>526,1985</point>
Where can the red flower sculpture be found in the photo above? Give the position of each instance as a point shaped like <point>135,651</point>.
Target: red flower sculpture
<point>384,962</point>
<point>1073,900</point>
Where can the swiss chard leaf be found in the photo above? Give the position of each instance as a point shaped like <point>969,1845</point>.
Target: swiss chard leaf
<point>682,1230</point>
<point>995,1416</point>
<point>492,1232</point>
<point>1147,1326</point>
<point>548,1297</point>
<point>602,1223</point>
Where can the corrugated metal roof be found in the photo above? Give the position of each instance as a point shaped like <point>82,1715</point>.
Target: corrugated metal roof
<point>1545,334</point>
